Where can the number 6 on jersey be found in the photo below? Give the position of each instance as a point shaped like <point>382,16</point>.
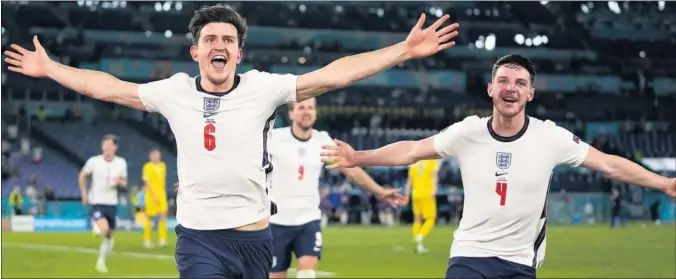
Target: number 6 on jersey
<point>209,138</point>
<point>501,190</point>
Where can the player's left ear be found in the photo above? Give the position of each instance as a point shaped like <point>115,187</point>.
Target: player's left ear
<point>193,53</point>
<point>531,94</point>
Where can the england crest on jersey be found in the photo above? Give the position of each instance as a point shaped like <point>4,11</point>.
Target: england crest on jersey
<point>211,104</point>
<point>503,160</point>
<point>301,152</point>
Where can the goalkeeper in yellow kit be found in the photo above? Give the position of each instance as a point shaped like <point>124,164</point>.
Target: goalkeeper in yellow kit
<point>422,177</point>
<point>154,177</point>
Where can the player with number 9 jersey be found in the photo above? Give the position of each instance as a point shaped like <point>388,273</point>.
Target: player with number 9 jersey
<point>295,153</point>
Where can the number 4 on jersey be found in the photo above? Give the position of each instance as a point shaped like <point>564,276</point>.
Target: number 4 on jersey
<point>501,190</point>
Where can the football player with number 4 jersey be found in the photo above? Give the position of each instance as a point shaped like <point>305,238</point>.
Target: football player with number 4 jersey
<point>295,188</point>
<point>222,121</point>
<point>506,162</point>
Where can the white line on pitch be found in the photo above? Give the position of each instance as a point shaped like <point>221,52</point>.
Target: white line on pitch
<point>84,250</point>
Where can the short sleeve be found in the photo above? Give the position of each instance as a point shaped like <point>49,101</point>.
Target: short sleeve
<point>146,171</point>
<point>446,141</point>
<point>326,139</point>
<point>283,86</point>
<point>123,171</point>
<point>89,166</point>
<point>569,149</point>
<point>153,94</point>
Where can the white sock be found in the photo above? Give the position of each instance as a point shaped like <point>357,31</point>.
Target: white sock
<point>343,218</point>
<point>105,248</point>
<point>306,273</point>
<point>419,239</point>
<point>325,220</point>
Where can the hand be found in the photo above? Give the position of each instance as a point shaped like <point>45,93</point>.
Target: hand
<point>176,187</point>
<point>391,196</point>
<point>425,42</point>
<point>406,200</point>
<point>85,200</point>
<point>30,63</point>
<point>341,155</point>
<point>670,190</point>
<point>120,182</point>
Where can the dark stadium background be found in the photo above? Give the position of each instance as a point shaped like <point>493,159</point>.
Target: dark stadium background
<point>605,71</point>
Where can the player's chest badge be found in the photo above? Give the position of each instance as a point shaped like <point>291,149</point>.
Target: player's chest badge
<point>503,160</point>
<point>211,104</point>
<point>301,152</point>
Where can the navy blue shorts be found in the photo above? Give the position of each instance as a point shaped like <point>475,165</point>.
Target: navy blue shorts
<point>223,253</point>
<point>105,211</point>
<point>491,267</point>
<point>303,240</point>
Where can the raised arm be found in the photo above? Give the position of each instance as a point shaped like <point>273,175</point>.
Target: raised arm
<point>351,69</point>
<point>571,150</point>
<point>98,85</point>
<point>621,169</point>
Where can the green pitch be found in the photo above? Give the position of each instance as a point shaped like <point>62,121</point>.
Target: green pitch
<point>572,251</point>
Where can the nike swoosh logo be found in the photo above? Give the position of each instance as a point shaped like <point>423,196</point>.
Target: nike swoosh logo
<point>207,115</point>
<point>500,174</point>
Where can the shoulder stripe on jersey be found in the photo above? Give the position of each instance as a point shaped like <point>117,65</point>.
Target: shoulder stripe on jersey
<point>267,163</point>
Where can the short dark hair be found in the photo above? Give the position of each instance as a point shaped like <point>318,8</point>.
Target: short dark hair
<point>217,13</point>
<point>155,149</point>
<point>515,60</point>
<point>110,137</point>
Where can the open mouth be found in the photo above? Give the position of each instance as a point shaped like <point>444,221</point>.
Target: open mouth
<point>509,100</point>
<point>218,61</point>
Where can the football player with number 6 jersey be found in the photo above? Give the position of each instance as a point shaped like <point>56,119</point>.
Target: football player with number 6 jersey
<point>295,188</point>
<point>506,162</point>
<point>222,122</point>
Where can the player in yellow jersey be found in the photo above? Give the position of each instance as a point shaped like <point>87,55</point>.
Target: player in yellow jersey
<point>422,177</point>
<point>155,195</point>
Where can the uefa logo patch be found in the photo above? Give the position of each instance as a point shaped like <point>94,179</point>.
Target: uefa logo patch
<point>503,160</point>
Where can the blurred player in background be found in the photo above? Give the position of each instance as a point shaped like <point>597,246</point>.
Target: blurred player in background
<point>423,177</point>
<point>223,161</point>
<point>506,162</point>
<point>296,227</point>
<point>155,196</point>
<point>109,172</point>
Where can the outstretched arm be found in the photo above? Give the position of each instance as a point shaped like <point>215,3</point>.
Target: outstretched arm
<point>621,169</point>
<point>400,153</point>
<point>359,176</point>
<point>351,69</point>
<point>94,84</point>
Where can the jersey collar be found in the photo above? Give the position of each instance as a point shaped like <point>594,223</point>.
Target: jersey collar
<point>297,138</point>
<point>511,138</point>
<point>199,87</point>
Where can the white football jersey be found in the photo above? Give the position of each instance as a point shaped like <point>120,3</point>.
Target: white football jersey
<point>506,183</point>
<point>223,161</point>
<point>295,181</point>
<point>104,178</point>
